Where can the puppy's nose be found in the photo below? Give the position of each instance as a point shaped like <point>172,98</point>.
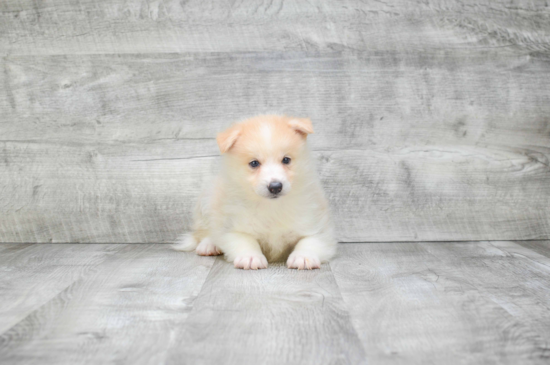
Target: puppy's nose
<point>275,187</point>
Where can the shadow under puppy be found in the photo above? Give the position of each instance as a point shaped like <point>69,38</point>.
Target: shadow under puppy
<point>266,203</point>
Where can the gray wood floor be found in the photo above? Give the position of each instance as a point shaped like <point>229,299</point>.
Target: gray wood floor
<point>442,303</point>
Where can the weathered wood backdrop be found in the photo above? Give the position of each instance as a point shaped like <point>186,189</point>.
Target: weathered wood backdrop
<point>432,117</point>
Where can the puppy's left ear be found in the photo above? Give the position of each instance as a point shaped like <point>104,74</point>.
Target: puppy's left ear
<point>227,138</point>
<point>301,125</point>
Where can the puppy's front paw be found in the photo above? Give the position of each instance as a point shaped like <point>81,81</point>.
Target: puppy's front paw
<point>207,248</point>
<point>303,261</point>
<point>252,261</point>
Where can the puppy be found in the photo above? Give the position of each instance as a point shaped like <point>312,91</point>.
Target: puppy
<point>266,203</point>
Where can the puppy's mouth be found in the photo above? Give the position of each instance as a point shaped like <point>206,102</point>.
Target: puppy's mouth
<point>275,196</point>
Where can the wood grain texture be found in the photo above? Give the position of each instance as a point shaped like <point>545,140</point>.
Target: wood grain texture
<point>383,303</point>
<point>475,303</point>
<point>128,310</point>
<point>431,117</point>
<point>271,316</point>
<point>172,26</point>
<point>104,169</point>
<point>540,247</point>
<point>31,275</point>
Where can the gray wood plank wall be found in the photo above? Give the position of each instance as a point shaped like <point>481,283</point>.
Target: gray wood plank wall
<point>432,117</point>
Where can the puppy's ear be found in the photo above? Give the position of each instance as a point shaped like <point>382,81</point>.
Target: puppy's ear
<point>301,125</point>
<point>227,138</point>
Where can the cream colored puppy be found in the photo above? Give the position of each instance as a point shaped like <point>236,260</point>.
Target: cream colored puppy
<point>267,203</point>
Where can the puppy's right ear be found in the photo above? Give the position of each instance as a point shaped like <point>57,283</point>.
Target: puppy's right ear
<point>227,138</point>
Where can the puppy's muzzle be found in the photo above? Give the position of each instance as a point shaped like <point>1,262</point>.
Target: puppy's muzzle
<point>275,187</point>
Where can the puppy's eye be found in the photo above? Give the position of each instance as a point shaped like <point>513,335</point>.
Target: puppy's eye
<point>254,164</point>
<point>286,160</point>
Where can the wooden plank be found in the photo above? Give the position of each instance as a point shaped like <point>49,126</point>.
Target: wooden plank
<point>438,302</point>
<point>268,316</point>
<point>173,26</point>
<point>360,100</point>
<point>514,277</point>
<point>433,146</point>
<point>541,247</point>
<point>129,310</point>
<point>33,274</point>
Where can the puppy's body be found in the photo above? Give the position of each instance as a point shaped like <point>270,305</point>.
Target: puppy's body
<point>271,211</point>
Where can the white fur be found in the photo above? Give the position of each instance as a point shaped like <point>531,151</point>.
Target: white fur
<point>207,248</point>
<point>250,229</point>
<point>272,171</point>
<point>266,131</point>
<point>185,242</point>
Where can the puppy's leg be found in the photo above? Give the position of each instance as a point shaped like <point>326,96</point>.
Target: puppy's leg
<point>207,248</point>
<point>243,250</point>
<point>311,251</point>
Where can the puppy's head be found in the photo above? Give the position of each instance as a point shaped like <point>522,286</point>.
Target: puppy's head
<point>265,152</point>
